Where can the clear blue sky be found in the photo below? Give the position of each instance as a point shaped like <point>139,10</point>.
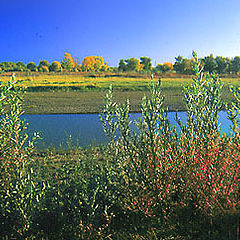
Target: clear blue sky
<point>33,30</point>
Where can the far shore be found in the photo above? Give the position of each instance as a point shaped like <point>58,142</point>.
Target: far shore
<point>93,102</point>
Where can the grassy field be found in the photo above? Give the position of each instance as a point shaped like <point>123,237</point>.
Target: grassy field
<point>122,82</point>
<point>77,93</point>
<point>45,82</point>
<point>93,102</point>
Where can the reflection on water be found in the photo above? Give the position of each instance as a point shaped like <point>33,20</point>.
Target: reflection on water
<point>85,129</point>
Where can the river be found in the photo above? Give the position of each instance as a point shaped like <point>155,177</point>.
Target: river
<point>85,129</point>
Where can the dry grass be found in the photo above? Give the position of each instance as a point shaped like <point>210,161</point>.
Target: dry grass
<point>120,82</point>
<point>80,93</point>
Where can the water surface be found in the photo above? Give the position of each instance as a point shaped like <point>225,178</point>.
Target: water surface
<point>85,129</point>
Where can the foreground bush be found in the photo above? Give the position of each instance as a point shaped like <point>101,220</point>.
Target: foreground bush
<point>165,174</point>
<point>18,190</point>
<point>153,183</point>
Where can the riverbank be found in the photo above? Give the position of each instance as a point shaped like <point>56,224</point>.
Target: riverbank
<point>93,101</point>
<point>84,93</point>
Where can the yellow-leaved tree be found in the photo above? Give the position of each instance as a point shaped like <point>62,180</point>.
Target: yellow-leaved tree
<point>95,64</point>
<point>139,66</point>
<point>68,63</point>
<point>169,65</point>
<point>164,68</point>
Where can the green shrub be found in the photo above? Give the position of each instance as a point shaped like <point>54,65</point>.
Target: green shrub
<point>17,188</point>
<point>162,173</point>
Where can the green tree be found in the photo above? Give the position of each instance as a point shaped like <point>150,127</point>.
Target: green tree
<point>122,67</point>
<point>235,64</point>
<point>43,66</point>
<point>133,65</point>
<point>210,64</point>
<point>21,67</point>
<point>67,65</point>
<point>228,61</point>
<point>44,63</point>
<point>182,65</point>
<point>55,67</point>
<point>8,66</point>
<point>179,64</point>
<point>113,69</point>
<point>163,68</point>
<point>32,67</point>
<point>147,63</point>
<point>222,64</point>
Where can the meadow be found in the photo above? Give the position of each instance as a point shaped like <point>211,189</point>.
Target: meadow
<point>85,81</point>
<point>82,93</point>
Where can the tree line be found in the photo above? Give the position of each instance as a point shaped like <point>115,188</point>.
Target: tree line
<point>68,64</point>
<point>218,64</point>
